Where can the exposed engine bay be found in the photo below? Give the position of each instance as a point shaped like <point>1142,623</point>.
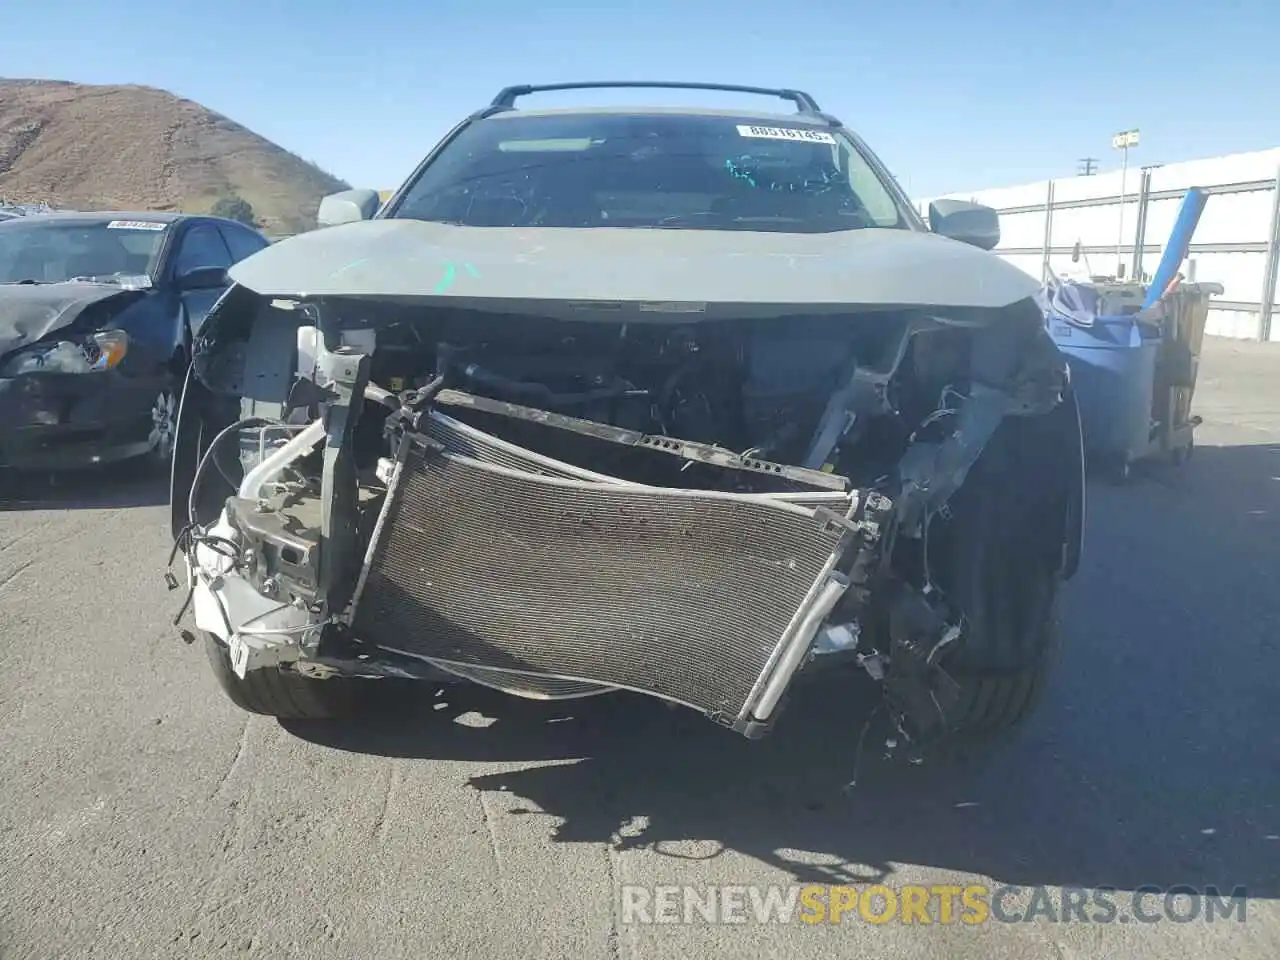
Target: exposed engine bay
<point>689,505</point>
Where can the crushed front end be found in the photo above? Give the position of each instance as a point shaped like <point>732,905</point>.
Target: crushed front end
<point>575,502</point>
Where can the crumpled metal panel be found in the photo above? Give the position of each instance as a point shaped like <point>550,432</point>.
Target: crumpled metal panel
<point>685,595</point>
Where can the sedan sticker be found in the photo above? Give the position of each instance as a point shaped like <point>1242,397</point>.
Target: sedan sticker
<point>135,225</point>
<point>785,133</point>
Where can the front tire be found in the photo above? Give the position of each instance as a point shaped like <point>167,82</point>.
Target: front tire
<point>991,702</point>
<point>283,693</point>
<point>998,558</point>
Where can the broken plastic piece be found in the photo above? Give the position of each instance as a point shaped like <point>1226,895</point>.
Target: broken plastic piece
<point>837,638</point>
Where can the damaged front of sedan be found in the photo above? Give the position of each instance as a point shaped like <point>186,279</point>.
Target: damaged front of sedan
<point>564,460</point>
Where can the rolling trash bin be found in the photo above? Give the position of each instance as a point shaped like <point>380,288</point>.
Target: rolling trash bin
<point>1113,370</point>
<point>1133,371</point>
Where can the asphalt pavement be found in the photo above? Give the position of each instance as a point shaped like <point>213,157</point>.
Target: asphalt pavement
<point>142,815</point>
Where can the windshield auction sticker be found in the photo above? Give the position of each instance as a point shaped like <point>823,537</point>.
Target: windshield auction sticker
<point>785,133</point>
<point>134,225</point>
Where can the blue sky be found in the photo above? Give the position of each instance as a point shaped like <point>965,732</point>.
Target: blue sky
<point>953,96</point>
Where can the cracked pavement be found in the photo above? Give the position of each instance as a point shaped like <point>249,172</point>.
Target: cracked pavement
<point>142,815</point>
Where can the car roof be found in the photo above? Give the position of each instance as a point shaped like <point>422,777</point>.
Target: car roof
<point>723,113</point>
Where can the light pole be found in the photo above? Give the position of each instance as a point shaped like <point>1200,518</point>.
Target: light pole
<point>1123,141</point>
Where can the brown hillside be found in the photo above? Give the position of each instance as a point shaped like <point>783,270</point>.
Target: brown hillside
<point>138,148</point>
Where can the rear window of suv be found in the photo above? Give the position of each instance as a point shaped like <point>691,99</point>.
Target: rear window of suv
<point>656,171</point>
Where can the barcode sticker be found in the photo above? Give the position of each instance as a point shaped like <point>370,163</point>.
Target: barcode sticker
<point>785,133</point>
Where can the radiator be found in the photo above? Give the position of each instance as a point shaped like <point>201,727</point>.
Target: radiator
<point>691,596</point>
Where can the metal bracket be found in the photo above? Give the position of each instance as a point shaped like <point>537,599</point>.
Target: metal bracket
<point>253,653</point>
<point>865,391</point>
<point>349,373</point>
<point>282,551</point>
<point>687,449</point>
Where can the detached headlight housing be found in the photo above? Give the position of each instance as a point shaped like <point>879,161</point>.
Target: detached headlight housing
<point>92,354</point>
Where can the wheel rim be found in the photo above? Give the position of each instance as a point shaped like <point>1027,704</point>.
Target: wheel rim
<point>164,416</point>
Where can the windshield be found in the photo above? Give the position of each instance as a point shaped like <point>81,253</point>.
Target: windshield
<point>657,171</point>
<point>49,251</point>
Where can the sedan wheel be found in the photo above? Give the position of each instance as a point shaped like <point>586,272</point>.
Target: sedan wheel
<point>164,425</point>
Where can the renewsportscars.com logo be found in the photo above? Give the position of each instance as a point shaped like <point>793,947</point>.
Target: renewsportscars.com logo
<point>944,904</point>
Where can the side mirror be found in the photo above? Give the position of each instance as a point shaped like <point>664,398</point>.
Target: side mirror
<point>1075,253</point>
<point>347,207</point>
<point>971,223</point>
<point>204,278</point>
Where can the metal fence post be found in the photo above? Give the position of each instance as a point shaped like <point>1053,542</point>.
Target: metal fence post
<point>1140,228</point>
<point>1048,234</point>
<point>1268,298</point>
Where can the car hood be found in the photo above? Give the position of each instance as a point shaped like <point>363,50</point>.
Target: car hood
<point>416,259</point>
<point>32,311</point>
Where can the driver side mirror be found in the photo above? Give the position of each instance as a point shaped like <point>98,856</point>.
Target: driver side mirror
<point>204,278</point>
<point>348,206</point>
<point>972,223</point>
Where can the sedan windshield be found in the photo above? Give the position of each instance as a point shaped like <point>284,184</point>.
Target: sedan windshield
<point>36,250</point>
<point>651,170</point>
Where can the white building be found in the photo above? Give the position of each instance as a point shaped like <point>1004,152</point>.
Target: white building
<point>1237,242</point>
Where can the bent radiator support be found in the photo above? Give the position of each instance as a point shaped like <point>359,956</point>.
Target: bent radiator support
<point>570,586</point>
<point>461,438</point>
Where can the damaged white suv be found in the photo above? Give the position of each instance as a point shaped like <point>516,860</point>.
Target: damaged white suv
<point>679,401</point>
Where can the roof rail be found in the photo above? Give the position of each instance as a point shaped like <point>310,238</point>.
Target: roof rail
<point>506,98</point>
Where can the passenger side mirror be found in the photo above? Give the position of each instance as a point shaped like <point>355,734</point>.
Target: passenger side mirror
<point>348,206</point>
<point>203,278</point>
<point>971,223</point>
